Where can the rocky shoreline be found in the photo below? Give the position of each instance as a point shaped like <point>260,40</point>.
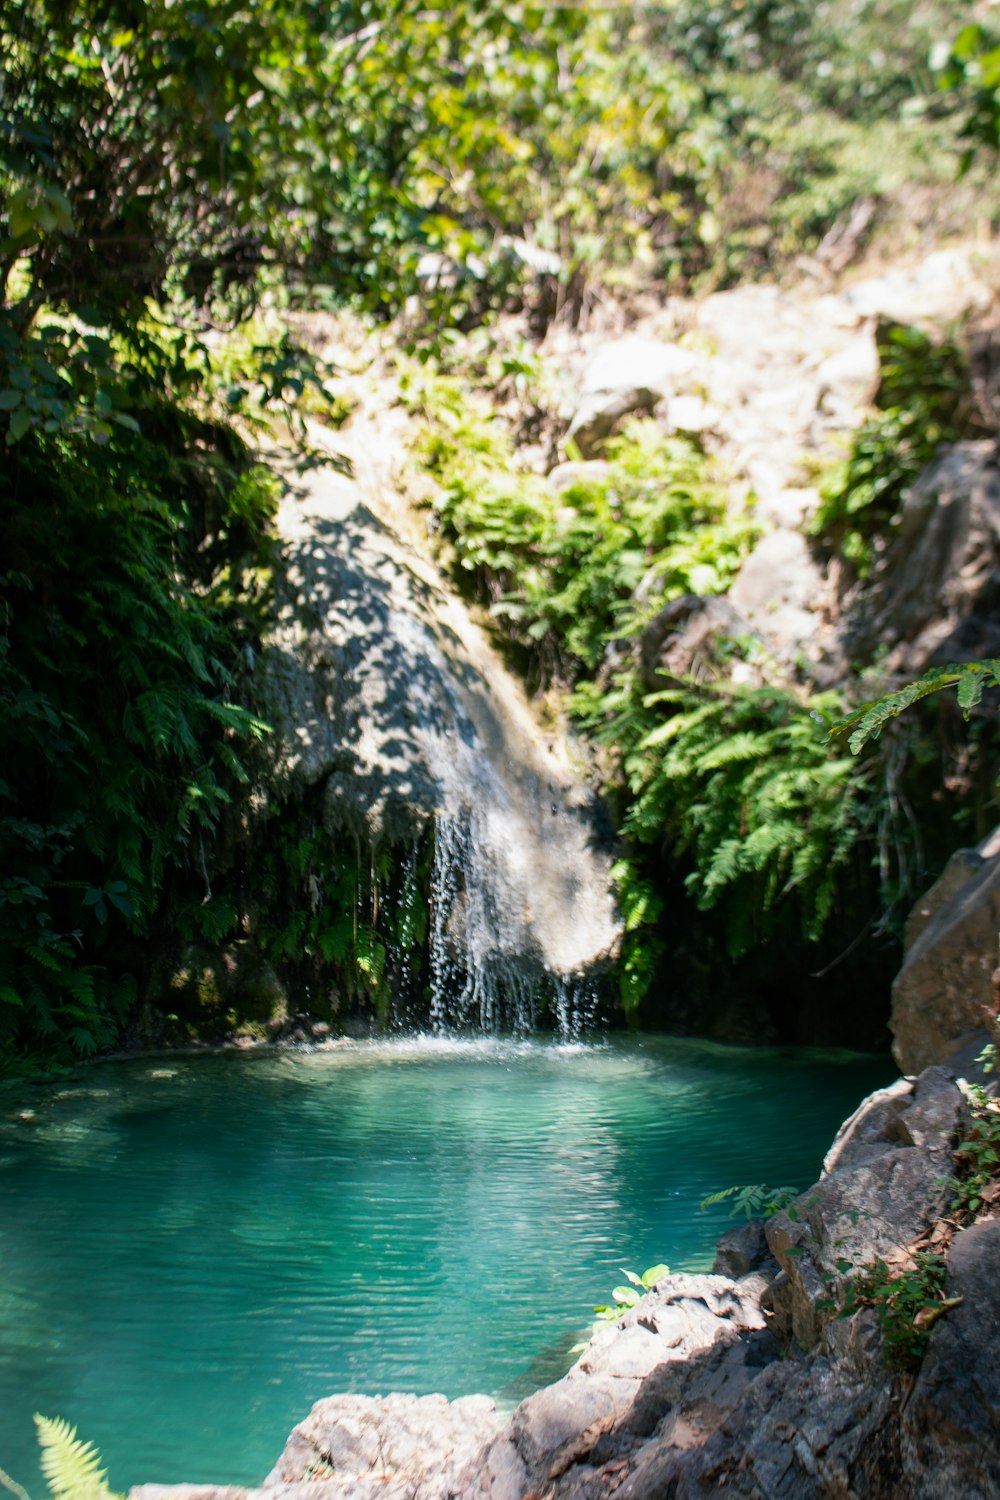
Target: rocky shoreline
<point>758,1379</point>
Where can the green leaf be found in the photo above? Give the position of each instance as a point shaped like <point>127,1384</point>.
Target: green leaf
<point>20,421</point>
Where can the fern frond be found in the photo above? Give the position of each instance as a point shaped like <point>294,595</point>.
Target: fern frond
<point>72,1468</point>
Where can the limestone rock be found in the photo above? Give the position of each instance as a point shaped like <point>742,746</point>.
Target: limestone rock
<point>208,982</point>
<point>943,991</point>
<point>600,412</point>
<point>393,712</point>
<point>603,1394</point>
<point>802,1431</point>
<point>741,1249</point>
<point>691,415</point>
<point>565,476</point>
<point>639,361</point>
<point>940,286</point>
<point>783,593</point>
<point>623,377</point>
<point>405,1446</point>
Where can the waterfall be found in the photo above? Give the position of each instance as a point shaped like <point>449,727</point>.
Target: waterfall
<point>389,697</point>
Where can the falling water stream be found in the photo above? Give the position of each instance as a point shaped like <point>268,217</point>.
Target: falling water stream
<point>194,1250</point>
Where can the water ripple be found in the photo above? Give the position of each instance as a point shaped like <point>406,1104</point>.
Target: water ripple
<point>186,1245</point>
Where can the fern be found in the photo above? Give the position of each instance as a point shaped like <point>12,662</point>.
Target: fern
<point>72,1468</point>
<point>970,679</point>
<point>754,1200</point>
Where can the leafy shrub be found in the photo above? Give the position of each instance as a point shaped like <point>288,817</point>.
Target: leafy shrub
<point>630,1296</point>
<point>743,781</point>
<point>970,680</point>
<point>976,1185</point>
<point>122,737</point>
<point>969,69</point>
<point>564,575</point>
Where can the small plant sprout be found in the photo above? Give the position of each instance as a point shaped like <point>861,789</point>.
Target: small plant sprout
<point>625,1297</point>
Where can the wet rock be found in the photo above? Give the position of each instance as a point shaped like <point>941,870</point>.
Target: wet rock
<point>393,712</point>
<point>209,984</point>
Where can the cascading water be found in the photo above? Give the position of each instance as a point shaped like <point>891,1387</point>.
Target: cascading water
<point>387,695</point>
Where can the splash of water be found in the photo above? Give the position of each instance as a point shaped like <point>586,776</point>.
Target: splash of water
<point>486,970</point>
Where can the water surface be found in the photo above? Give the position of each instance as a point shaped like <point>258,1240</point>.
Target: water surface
<point>193,1250</point>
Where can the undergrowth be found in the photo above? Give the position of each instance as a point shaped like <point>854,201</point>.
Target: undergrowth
<point>739,782</point>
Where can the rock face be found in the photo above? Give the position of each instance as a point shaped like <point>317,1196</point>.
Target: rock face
<point>943,993</point>
<point>748,1385</point>
<point>389,702</point>
<point>773,382</point>
<point>950,1437</point>
<point>934,598</point>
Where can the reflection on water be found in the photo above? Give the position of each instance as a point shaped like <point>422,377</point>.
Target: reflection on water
<point>193,1253</point>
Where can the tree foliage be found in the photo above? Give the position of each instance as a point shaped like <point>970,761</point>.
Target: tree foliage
<point>172,170</point>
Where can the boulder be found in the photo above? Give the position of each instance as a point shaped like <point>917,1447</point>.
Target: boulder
<point>934,597</point>
<point>951,1423</point>
<point>387,1446</point>
<point>784,595</point>
<point>373,1448</point>
<point>943,993</point>
<point>802,1431</point>
<point>600,412</point>
<point>215,986</point>
<point>599,1404</point>
<point>885,1186</point>
<point>741,1249</point>
<point>623,377</point>
<point>570,475</point>
<point>692,416</point>
<point>649,363</point>
<point>688,638</point>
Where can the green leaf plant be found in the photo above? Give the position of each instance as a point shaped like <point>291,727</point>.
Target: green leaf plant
<point>72,1468</point>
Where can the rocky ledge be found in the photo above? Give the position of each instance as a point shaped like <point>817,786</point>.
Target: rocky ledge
<point>746,1380</point>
